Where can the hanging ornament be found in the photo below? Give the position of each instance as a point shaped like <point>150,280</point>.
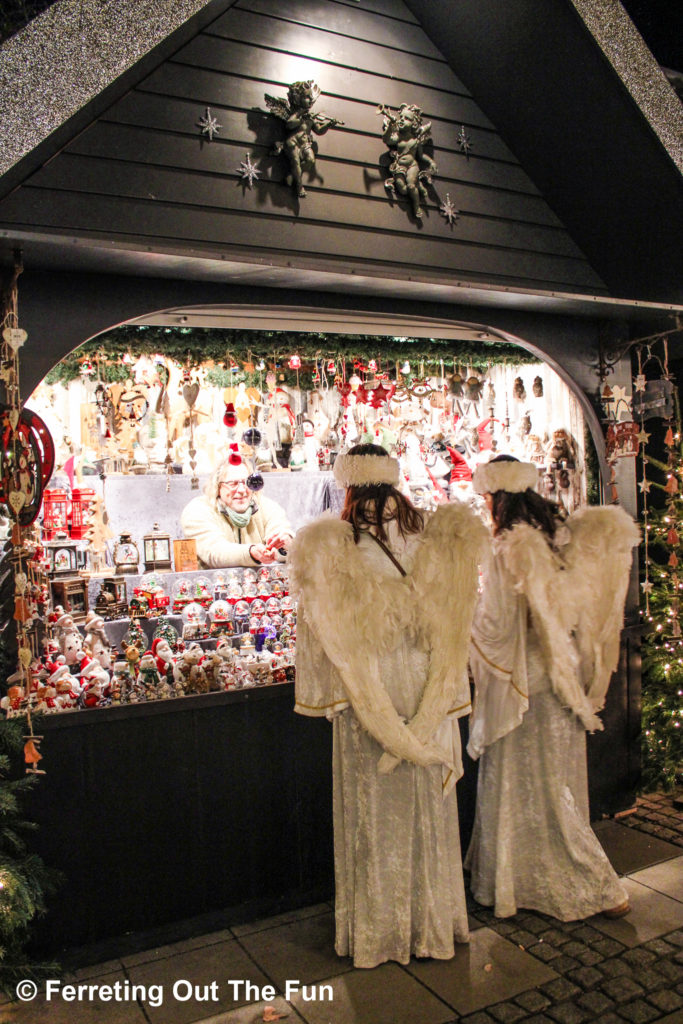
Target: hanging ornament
<point>252,437</point>
<point>255,482</point>
<point>295,362</point>
<point>372,366</point>
<point>235,459</point>
<point>421,388</point>
<point>345,391</point>
<point>405,369</point>
<point>537,387</point>
<point>230,416</point>
<point>331,366</point>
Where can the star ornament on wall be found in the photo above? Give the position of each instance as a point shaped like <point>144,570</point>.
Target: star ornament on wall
<point>464,141</point>
<point>209,125</point>
<point>448,210</point>
<point>248,172</point>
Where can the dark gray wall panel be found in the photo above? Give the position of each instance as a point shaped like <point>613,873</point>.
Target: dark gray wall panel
<point>142,174</point>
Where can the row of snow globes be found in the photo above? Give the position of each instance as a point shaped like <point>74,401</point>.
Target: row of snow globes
<point>82,672</point>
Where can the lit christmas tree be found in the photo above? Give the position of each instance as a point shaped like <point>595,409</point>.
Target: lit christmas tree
<point>662,692</point>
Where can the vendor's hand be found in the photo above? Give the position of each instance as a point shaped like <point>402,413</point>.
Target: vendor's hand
<point>279,540</point>
<point>261,553</point>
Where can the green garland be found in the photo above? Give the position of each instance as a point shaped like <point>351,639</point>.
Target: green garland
<point>195,345</point>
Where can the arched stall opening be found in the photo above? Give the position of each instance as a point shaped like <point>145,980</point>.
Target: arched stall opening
<point>141,415</point>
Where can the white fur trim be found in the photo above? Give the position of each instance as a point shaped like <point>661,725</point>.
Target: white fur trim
<point>360,470</point>
<point>514,477</point>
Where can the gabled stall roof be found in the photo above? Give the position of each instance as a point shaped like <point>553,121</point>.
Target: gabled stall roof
<point>580,136</point>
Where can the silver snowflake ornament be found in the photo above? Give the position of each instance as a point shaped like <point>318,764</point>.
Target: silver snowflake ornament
<point>248,172</point>
<point>448,210</point>
<point>464,141</point>
<point>209,125</point>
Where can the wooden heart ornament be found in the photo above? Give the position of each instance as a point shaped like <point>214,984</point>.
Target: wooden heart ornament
<point>13,417</point>
<point>25,656</point>
<point>15,337</point>
<point>16,501</point>
<point>190,393</point>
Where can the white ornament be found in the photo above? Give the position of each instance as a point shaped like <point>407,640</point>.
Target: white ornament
<point>209,125</point>
<point>448,210</point>
<point>248,172</point>
<point>15,337</point>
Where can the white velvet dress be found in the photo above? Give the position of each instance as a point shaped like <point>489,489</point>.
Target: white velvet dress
<point>398,869</point>
<point>532,845</point>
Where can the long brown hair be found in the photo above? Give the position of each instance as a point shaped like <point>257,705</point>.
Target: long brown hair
<point>508,508</point>
<point>378,504</point>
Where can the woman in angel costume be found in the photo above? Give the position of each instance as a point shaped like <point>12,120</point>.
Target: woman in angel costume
<point>545,642</point>
<point>385,607</point>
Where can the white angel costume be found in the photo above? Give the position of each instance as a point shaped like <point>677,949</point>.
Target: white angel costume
<point>385,657</point>
<point>545,642</point>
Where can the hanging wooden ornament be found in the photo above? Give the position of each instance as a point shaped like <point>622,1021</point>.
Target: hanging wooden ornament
<point>15,337</point>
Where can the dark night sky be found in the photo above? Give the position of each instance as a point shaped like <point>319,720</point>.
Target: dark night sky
<point>660,23</point>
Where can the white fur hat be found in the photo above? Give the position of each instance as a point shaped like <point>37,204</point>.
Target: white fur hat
<point>512,476</point>
<point>364,470</point>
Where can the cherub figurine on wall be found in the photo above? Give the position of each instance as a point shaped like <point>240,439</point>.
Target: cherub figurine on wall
<point>405,135</point>
<point>300,124</point>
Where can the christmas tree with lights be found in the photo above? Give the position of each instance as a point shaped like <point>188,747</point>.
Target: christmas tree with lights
<point>662,675</point>
<point>24,879</point>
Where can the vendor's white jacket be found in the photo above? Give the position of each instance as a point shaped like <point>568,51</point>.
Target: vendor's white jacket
<point>219,543</point>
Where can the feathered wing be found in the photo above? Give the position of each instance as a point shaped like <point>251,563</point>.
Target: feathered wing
<point>539,574</point>
<point>337,593</point>
<point>598,564</point>
<point>444,583</point>
<point>278,106</point>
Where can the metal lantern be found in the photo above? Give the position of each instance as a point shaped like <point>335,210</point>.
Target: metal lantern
<point>82,499</point>
<point>126,554</point>
<point>61,551</point>
<point>55,512</point>
<point>157,550</point>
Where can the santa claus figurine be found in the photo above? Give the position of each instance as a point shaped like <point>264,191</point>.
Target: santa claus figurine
<point>163,657</point>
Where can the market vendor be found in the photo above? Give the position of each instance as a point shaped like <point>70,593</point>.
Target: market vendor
<point>230,527</point>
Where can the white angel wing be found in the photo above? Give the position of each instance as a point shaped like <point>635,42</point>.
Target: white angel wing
<point>597,568</point>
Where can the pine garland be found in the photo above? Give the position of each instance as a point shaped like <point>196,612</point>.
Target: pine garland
<point>195,345</point>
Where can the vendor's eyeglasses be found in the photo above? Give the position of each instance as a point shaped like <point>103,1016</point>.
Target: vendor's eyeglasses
<point>232,486</point>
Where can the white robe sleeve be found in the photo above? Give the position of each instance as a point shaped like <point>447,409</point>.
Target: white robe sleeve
<point>498,661</point>
<point>318,687</point>
<point>215,539</point>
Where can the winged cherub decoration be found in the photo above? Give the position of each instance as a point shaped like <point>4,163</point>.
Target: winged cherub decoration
<point>405,135</point>
<point>300,126</point>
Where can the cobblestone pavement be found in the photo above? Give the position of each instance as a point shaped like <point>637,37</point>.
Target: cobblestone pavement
<point>657,815</point>
<point>529,968</point>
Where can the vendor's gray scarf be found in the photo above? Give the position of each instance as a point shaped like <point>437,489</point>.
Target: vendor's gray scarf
<point>240,520</point>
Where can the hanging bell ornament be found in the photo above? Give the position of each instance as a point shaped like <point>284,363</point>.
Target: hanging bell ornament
<point>669,438</point>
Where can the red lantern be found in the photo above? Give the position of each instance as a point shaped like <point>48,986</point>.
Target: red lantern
<point>55,511</point>
<point>82,499</point>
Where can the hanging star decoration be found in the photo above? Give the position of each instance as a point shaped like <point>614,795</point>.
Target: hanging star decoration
<point>643,437</point>
<point>639,382</point>
<point>621,402</point>
<point>248,172</point>
<point>647,587</point>
<point>644,486</point>
<point>209,125</point>
<point>464,141</point>
<point>448,210</point>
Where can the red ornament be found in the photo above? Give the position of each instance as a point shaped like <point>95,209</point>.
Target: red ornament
<point>230,417</point>
<point>295,363</point>
<point>381,394</point>
<point>345,390</point>
<point>372,366</point>
<point>362,396</point>
<point>672,537</point>
<point>235,459</point>
<point>669,438</point>
<point>331,366</point>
